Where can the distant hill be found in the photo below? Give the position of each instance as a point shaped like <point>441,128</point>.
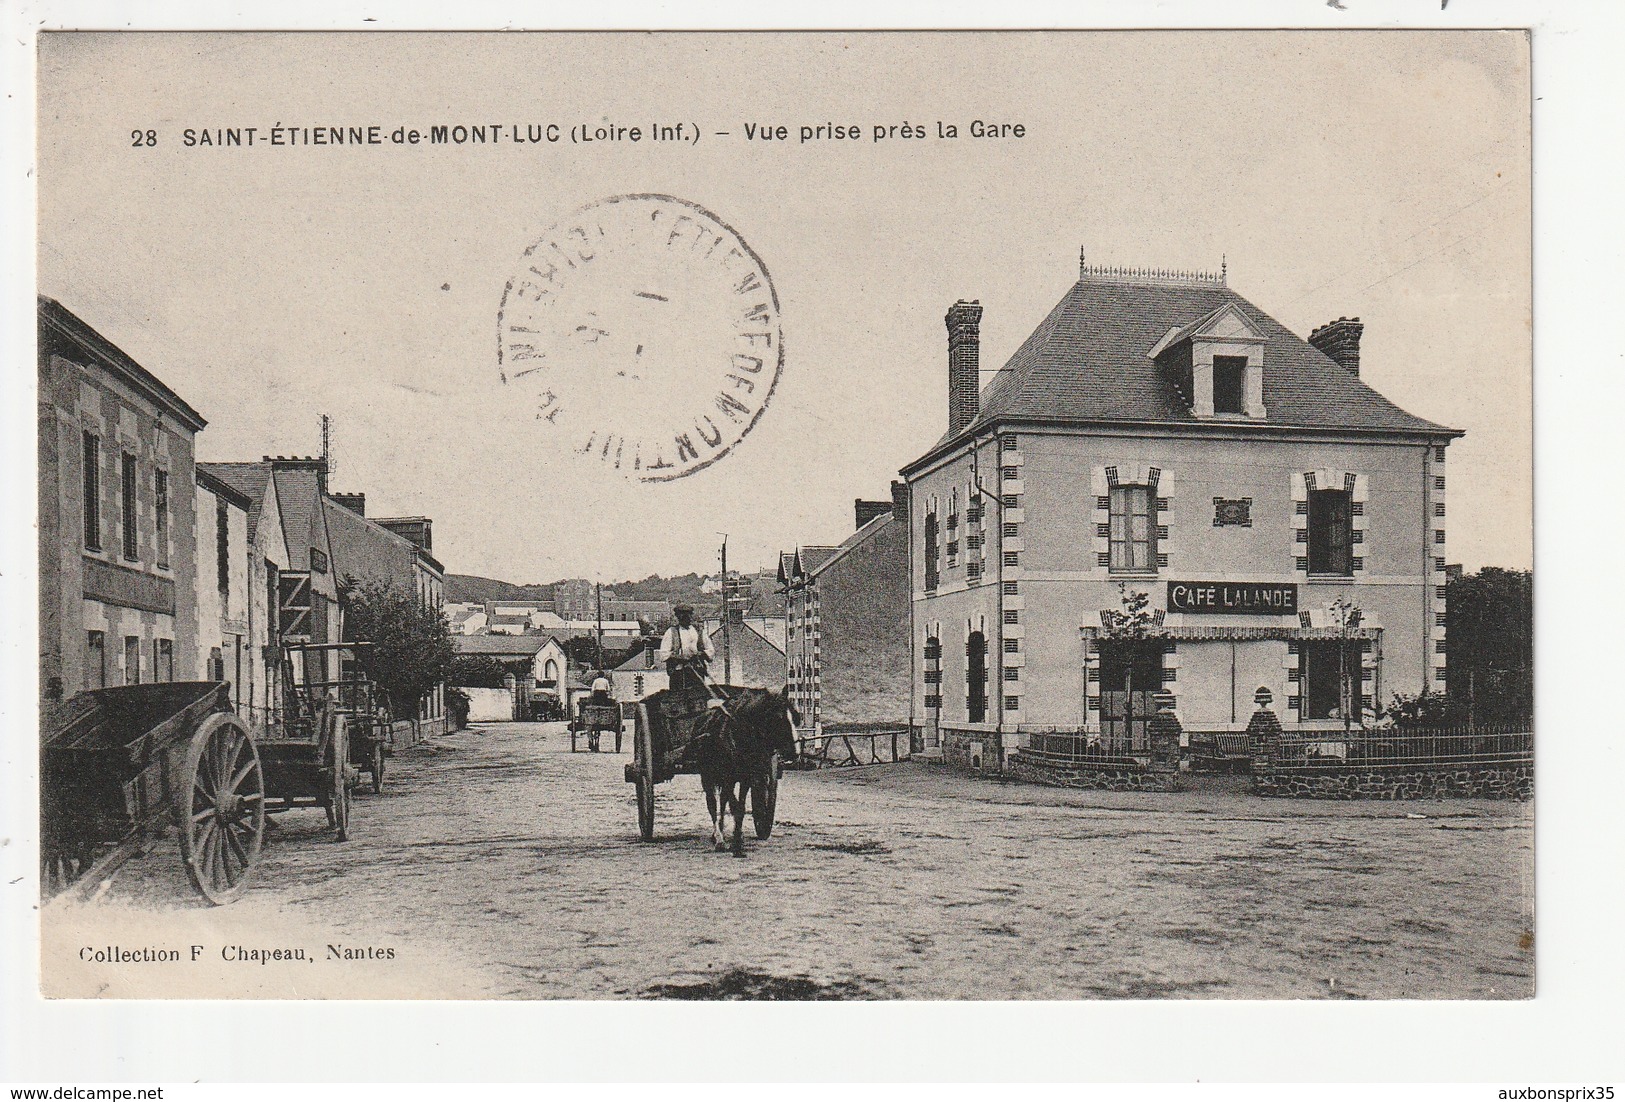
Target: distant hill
<point>461,588</point>
<point>683,589</point>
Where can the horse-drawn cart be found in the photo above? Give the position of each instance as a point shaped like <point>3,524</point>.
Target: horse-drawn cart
<point>331,730</point>
<point>592,721</point>
<point>118,763</point>
<point>667,727</point>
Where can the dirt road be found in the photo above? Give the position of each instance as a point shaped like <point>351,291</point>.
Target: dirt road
<point>498,864</point>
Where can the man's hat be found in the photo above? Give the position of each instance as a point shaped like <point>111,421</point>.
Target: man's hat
<point>684,608</point>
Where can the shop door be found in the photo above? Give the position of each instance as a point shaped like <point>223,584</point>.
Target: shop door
<point>1130,675</point>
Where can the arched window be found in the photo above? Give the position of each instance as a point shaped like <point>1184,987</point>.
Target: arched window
<point>976,678</point>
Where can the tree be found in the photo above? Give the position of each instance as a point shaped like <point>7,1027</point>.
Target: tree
<point>481,671</point>
<point>411,648</point>
<point>1489,625</point>
<point>1347,617</point>
<point>1137,628</point>
<point>584,652</point>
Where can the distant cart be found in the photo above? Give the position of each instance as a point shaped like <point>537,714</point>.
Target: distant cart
<point>592,721</point>
<point>120,763</point>
<point>667,725</point>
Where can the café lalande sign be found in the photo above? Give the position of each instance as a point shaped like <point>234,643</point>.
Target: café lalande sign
<point>1234,598</point>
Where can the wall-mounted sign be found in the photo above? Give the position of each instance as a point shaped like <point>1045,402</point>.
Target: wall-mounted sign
<point>1234,598</point>
<point>1232,510</point>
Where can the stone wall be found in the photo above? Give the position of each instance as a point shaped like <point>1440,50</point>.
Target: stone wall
<point>1504,781</point>
<point>972,751</point>
<point>1084,775</point>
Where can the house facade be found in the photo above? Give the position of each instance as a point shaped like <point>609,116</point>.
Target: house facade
<point>847,622</point>
<point>1160,440</point>
<point>266,561</point>
<point>226,632</point>
<point>117,487</point>
<point>393,550</point>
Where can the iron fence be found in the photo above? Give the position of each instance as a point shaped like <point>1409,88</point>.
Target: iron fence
<point>1403,747</point>
<point>1107,750</point>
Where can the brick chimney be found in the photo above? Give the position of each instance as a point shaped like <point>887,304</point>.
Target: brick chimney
<point>964,321</point>
<point>356,503</point>
<point>868,510</point>
<point>899,499</point>
<point>1340,340</point>
<point>301,463</point>
<point>420,530</point>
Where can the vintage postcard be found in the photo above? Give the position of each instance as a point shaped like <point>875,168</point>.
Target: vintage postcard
<point>796,516</point>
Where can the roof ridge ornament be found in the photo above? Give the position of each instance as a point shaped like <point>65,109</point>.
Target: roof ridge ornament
<point>1174,277</point>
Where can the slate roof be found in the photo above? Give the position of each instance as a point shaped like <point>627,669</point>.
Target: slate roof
<point>517,645</point>
<point>1087,362</point>
<point>861,536</point>
<point>814,557</point>
<point>248,479</point>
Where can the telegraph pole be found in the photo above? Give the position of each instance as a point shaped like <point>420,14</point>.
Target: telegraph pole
<point>598,590</point>
<point>727,636</point>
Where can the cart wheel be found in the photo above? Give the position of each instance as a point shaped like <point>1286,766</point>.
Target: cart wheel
<point>220,808</point>
<point>340,810</point>
<point>377,767</point>
<point>644,763</point>
<point>764,802</point>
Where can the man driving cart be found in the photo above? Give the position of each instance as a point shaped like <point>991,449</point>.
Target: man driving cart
<point>687,654</point>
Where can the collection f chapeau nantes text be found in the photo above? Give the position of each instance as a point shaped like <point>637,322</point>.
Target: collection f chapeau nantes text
<point>554,133</point>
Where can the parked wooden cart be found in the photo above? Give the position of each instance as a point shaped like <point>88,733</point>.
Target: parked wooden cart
<point>331,730</point>
<point>120,763</point>
<point>664,732</point>
<point>592,721</point>
<point>346,687</point>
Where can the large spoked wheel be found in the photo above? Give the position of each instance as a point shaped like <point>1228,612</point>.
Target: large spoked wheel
<point>220,808</point>
<point>644,764</point>
<point>764,800</point>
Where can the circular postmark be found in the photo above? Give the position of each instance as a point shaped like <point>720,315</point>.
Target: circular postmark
<point>645,331</point>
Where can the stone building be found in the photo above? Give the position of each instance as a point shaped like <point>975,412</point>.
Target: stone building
<point>229,647</point>
<point>1159,435</point>
<point>291,491</point>
<point>394,550</point>
<point>846,616</point>
<point>266,561</point>
<point>117,550</point>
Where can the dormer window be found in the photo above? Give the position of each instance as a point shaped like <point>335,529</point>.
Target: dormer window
<point>1216,364</point>
<point>1229,381</point>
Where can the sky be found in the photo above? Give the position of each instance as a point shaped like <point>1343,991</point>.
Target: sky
<point>1383,175</point>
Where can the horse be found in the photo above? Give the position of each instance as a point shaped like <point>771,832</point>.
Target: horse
<point>735,755</point>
